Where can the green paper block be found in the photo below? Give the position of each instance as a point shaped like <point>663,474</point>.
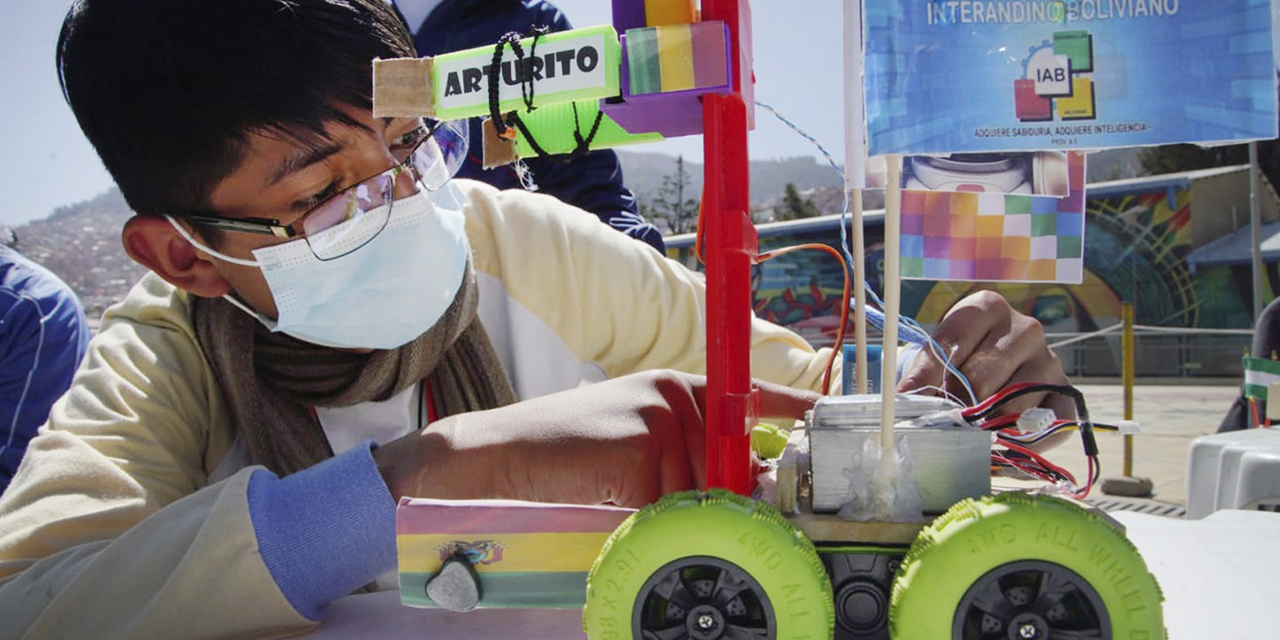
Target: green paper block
<point>553,127</point>
<point>1077,46</point>
<point>1070,246</point>
<point>581,64</point>
<point>911,267</point>
<point>1044,224</point>
<point>643,65</point>
<point>1017,204</point>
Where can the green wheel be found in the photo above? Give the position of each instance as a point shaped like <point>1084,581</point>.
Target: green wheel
<point>707,565</point>
<point>1021,567</point>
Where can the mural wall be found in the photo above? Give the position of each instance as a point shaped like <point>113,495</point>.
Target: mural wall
<point>1136,246</point>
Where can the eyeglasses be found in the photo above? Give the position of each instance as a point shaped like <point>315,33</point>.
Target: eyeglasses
<point>352,217</point>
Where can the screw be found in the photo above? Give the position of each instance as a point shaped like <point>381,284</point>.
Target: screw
<point>1028,631</point>
<point>705,621</point>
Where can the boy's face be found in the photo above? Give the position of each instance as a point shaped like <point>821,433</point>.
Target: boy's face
<point>283,179</point>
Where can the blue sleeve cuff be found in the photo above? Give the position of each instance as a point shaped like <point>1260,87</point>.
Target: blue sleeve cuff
<point>325,531</point>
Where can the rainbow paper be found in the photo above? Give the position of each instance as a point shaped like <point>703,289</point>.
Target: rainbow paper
<point>996,237</point>
<point>678,57</point>
<point>528,555</point>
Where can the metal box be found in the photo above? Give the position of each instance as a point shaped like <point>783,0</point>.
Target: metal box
<point>950,462</point>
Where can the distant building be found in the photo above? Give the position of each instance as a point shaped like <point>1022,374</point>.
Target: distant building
<point>1175,245</point>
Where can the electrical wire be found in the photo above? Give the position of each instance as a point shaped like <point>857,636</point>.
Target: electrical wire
<point>909,329</point>
<point>844,301</point>
<point>941,391</point>
<point>1008,436</point>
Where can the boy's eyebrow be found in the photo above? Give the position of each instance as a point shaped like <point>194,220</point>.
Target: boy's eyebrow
<point>302,159</point>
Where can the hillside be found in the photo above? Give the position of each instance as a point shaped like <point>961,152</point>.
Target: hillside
<point>81,243</point>
<point>643,173</point>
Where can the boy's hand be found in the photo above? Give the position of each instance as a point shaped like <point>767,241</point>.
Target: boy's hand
<point>994,346</point>
<point>628,441</point>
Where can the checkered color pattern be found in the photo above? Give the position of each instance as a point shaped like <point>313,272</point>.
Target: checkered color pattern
<point>995,237</point>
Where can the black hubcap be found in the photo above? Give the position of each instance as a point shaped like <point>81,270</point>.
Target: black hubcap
<point>702,598</point>
<point>1031,600</point>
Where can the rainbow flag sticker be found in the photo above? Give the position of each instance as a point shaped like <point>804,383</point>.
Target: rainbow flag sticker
<point>681,57</point>
<point>527,555</point>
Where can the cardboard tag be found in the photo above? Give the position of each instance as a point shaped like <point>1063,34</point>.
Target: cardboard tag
<point>497,151</point>
<point>402,87</point>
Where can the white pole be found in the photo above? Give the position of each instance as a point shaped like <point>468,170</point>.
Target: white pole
<point>1255,231</point>
<point>855,152</point>
<point>892,299</point>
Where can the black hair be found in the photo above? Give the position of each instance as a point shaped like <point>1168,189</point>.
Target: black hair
<point>169,91</point>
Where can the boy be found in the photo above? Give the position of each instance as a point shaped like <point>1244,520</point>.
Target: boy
<point>331,324</point>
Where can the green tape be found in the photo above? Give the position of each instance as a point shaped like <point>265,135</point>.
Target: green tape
<point>553,128</point>
<point>524,590</point>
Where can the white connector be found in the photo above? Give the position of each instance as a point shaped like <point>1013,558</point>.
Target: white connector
<point>1129,427</point>
<point>1035,420</point>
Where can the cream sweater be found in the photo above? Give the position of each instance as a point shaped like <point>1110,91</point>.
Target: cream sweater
<point>112,529</point>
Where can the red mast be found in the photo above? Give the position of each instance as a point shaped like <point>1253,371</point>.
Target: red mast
<point>729,245</point>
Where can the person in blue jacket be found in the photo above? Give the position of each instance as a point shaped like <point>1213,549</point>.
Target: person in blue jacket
<point>43,336</point>
<point>591,181</point>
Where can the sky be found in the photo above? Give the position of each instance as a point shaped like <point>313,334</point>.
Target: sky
<point>48,163</point>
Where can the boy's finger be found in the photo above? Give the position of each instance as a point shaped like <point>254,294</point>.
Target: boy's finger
<point>777,401</point>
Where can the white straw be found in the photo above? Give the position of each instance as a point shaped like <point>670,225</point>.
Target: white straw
<point>855,151</point>
<point>892,299</point>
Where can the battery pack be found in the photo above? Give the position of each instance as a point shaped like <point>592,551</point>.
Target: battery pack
<point>950,461</point>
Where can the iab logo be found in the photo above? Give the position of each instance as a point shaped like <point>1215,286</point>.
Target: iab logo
<point>1057,80</point>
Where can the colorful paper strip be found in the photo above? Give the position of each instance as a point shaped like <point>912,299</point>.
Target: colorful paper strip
<point>996,237</point>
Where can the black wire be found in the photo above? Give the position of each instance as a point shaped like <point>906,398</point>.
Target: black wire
<point>528,135</point>
<point>584,144</point>
<point>526,78</point>
<point>495,73</point>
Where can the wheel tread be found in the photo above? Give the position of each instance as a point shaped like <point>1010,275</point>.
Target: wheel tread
<point>936,532</point>
<point>753,508</point>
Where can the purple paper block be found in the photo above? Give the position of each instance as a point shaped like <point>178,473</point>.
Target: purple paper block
<point>962,270</point>
<point>935,247</point>
<point>628,14</point>
<point>668,114</point>
<point>912,223</point>
<point>672,114</point>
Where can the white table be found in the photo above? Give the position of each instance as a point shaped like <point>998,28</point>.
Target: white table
<point>1218,575</point>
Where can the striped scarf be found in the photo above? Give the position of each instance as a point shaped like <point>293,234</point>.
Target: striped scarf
<point>273,380</point>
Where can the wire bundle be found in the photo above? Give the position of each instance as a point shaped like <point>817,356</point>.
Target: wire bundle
<point>1017,454</point>
<point>1014,451</point>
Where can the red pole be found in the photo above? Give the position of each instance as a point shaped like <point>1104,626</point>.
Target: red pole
<point>730,250</point>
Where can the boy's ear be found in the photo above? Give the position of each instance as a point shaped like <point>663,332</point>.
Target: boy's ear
<point>152,242</point>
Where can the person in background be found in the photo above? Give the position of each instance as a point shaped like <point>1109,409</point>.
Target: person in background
<point>43,336</point>
<point>591,181</point>
<point>1266,344</point>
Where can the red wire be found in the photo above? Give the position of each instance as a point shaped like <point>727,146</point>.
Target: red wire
<point>1084,493</point>
<point>1040,460</point>
<point>996,397</point>
<point>844,300</point>
<point>1027,469</point>
<point>1000,422</point>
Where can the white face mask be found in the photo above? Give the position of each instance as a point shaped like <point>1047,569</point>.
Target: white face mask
<point>380,296</point>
